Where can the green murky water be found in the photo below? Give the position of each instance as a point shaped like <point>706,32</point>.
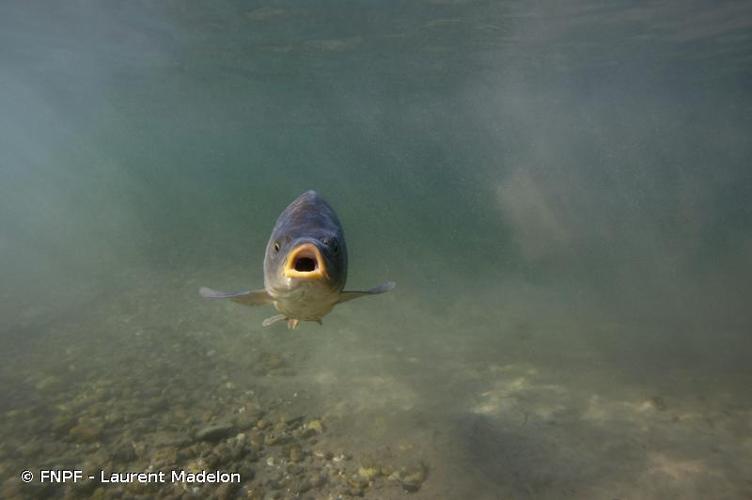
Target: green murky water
<point>560,189</point>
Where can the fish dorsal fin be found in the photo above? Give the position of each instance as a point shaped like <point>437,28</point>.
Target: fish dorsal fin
<point>245,297</point>
<point>382,288</point>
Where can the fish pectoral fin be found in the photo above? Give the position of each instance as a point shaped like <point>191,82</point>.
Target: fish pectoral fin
<point>253,298</point>
<point>273,319</point>
<point>246,297</point>
<point>382,288</point>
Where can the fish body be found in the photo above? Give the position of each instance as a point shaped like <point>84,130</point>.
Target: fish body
<point>305,265</point>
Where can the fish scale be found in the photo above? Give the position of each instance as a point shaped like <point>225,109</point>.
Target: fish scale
<point>305,266</point>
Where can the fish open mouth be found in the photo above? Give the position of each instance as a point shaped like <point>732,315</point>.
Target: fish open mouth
<point>305,262</point>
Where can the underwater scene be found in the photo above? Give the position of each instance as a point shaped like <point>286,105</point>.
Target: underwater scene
<point>543,210</point>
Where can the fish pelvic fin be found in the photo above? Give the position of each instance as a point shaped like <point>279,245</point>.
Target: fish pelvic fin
<point>273,319</point>
<point>292,324</point>
<point>382,288</point>
<point>245,297</point>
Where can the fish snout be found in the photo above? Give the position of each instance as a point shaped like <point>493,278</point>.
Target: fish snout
<point>306,262</point>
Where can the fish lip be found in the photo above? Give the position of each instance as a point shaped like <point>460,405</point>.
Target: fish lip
<point>310,251</point>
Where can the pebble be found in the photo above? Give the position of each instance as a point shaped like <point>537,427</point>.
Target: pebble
<point>274,438</point>
<point>326,455</point>
<point>119,419</point>
<point>227,491</point>
<point>296,453</point>
<point>368,473</point>
<point>124,453</point>
<point>412,478</point>
<point>85,432</point>
<point>313,428</point>
<point>214,432</point>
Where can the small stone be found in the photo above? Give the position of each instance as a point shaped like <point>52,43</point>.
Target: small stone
<point>357,481</point>
<point>326,455</point>
<point>48,383</point>
<point>412,478</point>
<point>62,424</point>
<point>294,470</point>
<point>294,422</point>
<point>273,438</point>
<point>256,439</point>
<point>245,421</point>
<point>165,456</point>
<point>214,432</point>
<point>368,473</point>
<point>304,486</point>
<point>274,483</point>
<point>313,428</point>
<point>318,479</point>
<point>124,453</point>
<point>140,448</point>
<point>195,466</point>
<point>247,473</point>
<point>235,450</point>
<point>255,492</point>
<point>227,491</point>
<point>213,460</point>
<point>86,432</point>
<point>355,491</point>
<point>296,454</point>
<point>12,488</point>
<point>170,439</point>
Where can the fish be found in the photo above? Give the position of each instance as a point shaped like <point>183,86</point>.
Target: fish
<point>305,266</point>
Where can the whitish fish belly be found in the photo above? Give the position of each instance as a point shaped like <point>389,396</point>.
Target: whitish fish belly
<point>306,304</point>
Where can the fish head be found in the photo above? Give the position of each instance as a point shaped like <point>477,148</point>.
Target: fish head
<point>306,249</point>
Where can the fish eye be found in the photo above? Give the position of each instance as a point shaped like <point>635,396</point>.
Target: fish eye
<point>276,246</point>
<point>332,243</point>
